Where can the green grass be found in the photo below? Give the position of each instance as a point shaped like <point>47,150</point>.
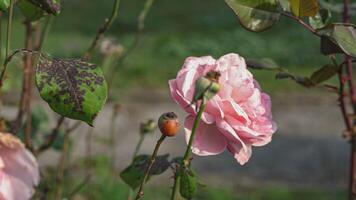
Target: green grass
<point>175,30</point>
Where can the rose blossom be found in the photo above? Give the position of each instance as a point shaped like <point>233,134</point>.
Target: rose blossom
<point>18,169</point>
<point>236,119</point>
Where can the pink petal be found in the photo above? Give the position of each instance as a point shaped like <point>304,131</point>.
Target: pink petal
<point>231,60</point>
<point>179,98</point>
<point>12,188</point>
<point>208,140</point>
<point>21,164</point>
<point>242,155</point>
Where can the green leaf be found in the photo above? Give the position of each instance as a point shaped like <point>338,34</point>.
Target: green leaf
<point>338,38</point>
<point>72,88</point>
<point>4,5</point>
<point>321,19</point>
<point>49,6</point>
<point>30,11</point>
<point>255,15</point>
<point>304,8</point>
<point>188,183</point>
<point>324,73</point>
<point>133,174</point>
<point>264,63</point>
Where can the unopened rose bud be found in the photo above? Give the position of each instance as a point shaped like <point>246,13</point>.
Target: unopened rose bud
<point>207,86</point>
<point>168,124</point>
<point>148,127</point>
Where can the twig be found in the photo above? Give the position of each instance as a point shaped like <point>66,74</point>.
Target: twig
<point>140,26</point>
<point>311,29</point>
<point>79,187</point>
<point>52,137</point>
<point>108,22</point>
<point>8,41</point>
<point>44,33</point>
<point>140,192</point>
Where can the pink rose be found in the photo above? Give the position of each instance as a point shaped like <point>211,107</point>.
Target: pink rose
<point>236,119</point>
<point>19,171</point>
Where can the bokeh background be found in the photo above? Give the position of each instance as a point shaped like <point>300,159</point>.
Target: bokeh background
<point>307,159</point>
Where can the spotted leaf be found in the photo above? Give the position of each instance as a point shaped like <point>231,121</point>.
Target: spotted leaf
<point>72,88</point>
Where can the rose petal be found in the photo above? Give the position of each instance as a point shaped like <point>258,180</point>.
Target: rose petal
<point>12,188</point>
<point>21,164</point>
<point>208,140</point>
<point>242,155</point>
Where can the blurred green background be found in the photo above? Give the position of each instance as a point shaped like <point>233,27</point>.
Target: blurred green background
<point>173,31</point>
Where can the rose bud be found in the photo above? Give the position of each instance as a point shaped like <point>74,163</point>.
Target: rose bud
<point>207,86</point>
<point>168,124</point>
<point>148,127</point>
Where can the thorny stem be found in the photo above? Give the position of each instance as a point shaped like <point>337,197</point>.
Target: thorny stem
<point>351,123</point>
<point>8,41</point>
<point>140,192</point>
<point>300,21</point>
<point>27,86</point>
<point>186,157</point>
<point>103,29</point>
<point>140,26</point>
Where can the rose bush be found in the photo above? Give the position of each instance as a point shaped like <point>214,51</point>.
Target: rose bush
<point>236,119</point>
<point>18,169</point>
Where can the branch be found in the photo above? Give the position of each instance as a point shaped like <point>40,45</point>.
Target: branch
<point>108,22</point>
<point>53,136</point>
<point>140,26</point>
<point>311,29</point>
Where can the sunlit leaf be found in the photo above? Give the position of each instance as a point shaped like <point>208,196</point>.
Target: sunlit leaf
<point>338,38</point>
<point>324,73</point>
<point>133,174</point>
<point>30,11</point>
<point>321,19</point>
<point>4,5</point>
<point>72,88</point>
<point>304,8</point>
<point>255,15</point>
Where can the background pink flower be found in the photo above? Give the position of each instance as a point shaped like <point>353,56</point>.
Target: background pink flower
<point>18,169</point>
<point>236,119</point>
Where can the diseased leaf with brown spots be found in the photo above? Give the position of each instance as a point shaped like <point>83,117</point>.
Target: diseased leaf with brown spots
<point>50,6</point>
<point>72,88</point>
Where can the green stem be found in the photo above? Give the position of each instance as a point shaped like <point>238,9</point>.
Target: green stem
<point>191,139</point>
<point>186,159</point>
<point>138,146</point>
<point>140,192</point>
<point>8,41</point>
